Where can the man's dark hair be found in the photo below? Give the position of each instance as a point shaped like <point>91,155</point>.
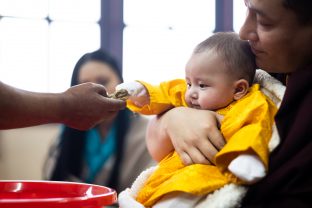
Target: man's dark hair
<point>302,8</point>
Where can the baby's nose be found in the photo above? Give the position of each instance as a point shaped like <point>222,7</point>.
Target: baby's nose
<point>194,94</point>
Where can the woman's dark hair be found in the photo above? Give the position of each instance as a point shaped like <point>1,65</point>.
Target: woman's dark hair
<point>72,141</point>
<point>302,8</point>
<point>100,56</point>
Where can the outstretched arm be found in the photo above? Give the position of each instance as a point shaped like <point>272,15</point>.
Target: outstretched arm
<point>81,107</point>
<point>194,134</point>
<point>151,99</point>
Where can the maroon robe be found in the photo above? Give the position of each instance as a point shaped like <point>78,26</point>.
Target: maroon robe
<point>289,180</point>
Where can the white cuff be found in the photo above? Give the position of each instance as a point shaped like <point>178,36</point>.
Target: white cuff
<point>248,168</point>
<point>135,89</point>
<point>126,200</point>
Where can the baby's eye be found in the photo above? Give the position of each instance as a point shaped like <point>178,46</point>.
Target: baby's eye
<point>203,85</point>
<point>188,85</point>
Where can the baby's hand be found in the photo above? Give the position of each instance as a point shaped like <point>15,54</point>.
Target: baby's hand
<point>135,89</point>
<point>248,168</point>
<point>138,94</point>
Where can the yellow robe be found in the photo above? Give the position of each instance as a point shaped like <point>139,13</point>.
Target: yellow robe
<point>247,128</point>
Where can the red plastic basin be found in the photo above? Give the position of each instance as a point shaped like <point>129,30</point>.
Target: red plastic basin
<point>48,194</point>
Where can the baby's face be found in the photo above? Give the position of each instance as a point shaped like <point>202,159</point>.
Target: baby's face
<point>209,86</point>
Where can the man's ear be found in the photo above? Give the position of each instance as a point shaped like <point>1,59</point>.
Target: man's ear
<point>241,89</point>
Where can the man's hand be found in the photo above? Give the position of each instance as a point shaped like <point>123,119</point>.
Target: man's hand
<point>194,134</point>
<point>87,104</point>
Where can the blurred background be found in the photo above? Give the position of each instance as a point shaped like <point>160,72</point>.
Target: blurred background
<point>41,40</point>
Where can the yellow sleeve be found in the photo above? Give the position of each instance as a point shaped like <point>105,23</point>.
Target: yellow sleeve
<point>163,97</point>
<point>247,127</point>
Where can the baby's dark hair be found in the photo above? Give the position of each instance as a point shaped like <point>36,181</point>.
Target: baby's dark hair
<point>236,53</point>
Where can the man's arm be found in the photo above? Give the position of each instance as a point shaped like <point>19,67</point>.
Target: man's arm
<point>81,107</point>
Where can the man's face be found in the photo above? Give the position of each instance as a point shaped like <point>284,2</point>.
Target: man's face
<point>281,44</point>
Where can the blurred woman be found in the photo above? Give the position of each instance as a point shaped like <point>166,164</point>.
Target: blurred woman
<point>111,154</point>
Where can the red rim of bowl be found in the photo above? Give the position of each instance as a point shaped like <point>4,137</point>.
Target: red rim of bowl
<point>80,194</point>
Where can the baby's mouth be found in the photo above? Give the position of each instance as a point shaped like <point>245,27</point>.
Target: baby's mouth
<point>196,106</point>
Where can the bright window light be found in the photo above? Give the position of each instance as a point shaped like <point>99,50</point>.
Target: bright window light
<point>24,8</point>
<point>239,14</point>
<point>75,10</point>
<point>68,42</point>
<point>39,53</point>
<point>41,40</point>
<point>23,60</point>
<point>161,34</point>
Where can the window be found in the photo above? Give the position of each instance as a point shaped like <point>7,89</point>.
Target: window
<point>160,36</point>
<point>41,40</point>
<point>239,14</point>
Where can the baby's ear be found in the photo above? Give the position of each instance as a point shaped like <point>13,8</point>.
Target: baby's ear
<point>241,89</point>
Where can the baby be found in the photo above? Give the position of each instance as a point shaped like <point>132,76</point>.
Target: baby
<point>218,77</point>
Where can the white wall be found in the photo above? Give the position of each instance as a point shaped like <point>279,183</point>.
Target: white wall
<point>22,151</point>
